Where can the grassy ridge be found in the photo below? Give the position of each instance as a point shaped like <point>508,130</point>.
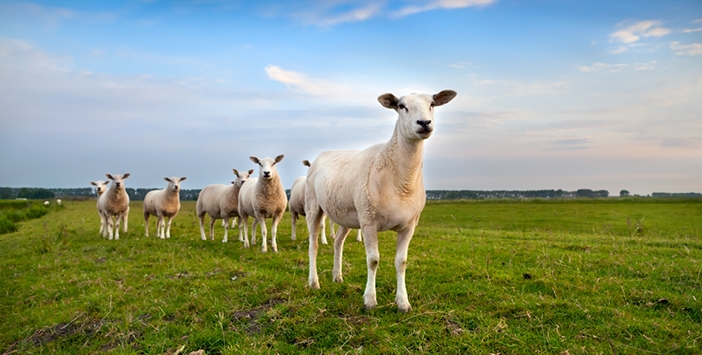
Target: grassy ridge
<point>571,277</point>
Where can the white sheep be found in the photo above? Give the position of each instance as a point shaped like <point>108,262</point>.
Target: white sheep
<point>163,203</point>
<point>46,203</point>
<point>221,202</point>
<point>263,197</point>
<point>58,202</point>
<point>114,203</point>
<point>376,189</point>
<point>100,188</point>
<point>296,205</point>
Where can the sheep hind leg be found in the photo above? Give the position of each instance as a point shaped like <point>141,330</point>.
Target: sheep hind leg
<point>323,227</point>
<point>243,229</point>
<point>339,239</point>
<point>212,223</point>
<point>202,226</point>
<point>146,225</point>
<point>359,237</point>
<point>403,241</point>
<point>293,221</point>
<point>118,220</point>
<point>372,261</point>
<point>313,218</point>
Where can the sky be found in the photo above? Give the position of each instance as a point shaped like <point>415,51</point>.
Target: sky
<point>552,94</point>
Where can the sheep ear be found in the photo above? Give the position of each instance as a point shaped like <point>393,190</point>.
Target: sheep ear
<point>109,176</point>
<point>254,159</point>
<point>388,101</point>
<point>279,158</point>
<point>183,178</point>
<point>306,163</point>
<point>251,171</point>
<point>444,97</point>
<point>236,172</point>
<point>93,183</point>
<point>168,179</point>
<point>125,175</point>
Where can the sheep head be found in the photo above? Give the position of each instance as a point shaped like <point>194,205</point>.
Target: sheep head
<point>416,112</point>
<point>118,180</point>
<point>267,165</point>
<point>100,186</point>
<point>241,177</point>
<point>174,183</point>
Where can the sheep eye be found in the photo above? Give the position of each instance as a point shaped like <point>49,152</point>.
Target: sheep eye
<point>402,107</point>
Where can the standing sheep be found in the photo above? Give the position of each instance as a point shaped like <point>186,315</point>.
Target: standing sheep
<point>296,205</point>
<point>221,202</point>
<point>114,203</point>
<point>163,203</point>
<point>376,189</point>
<point>263,197</point>
<point>100,188</point>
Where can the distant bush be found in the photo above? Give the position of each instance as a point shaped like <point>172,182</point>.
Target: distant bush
<point>13,212</point>
<point>6,225</point>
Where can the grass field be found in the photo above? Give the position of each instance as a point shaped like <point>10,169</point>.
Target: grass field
<point>509,277</point>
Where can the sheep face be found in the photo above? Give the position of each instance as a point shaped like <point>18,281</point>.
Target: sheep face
<point>241,177</point>
<point>174,183</point>
<point>118,180</point>
<point>416,112</point>
<point>100,186</point>
<point>267,166</point>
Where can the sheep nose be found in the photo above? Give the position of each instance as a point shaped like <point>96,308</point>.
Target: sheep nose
<point>423,123</point>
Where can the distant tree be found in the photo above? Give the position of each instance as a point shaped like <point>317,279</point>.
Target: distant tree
<point>623,193</point>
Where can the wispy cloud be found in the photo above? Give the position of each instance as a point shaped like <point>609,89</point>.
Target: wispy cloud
<point>440,4</point>
<point>597,67</point>
<point>633,33</point>
<point>686,49</point>
<point>326,16</point>
<point>645,66</point>
<point>303,83</point>
<point>691,30</point>
<point>569,144</point>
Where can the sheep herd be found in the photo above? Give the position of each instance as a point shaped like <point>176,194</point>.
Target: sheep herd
<point>376,189</point>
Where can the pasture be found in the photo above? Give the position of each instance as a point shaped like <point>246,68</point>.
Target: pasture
<point>616,276</point>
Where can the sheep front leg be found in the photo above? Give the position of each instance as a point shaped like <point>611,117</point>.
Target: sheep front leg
<point>261,220</point>
<point>274,231</point>
<point>359,237</point>
<point>117,228</point>
<point>403,241</point>
<point>161,227</point>
<point>372,261</point>
<point>225,223</point>
<point>110,225</point>
<point>241,233</point>
<point>168,228</point>
<point>244,226</point>
<point>323,226</point>
<point>339,239</point>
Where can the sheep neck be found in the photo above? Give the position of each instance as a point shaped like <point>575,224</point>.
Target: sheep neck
<point>270,187</point>
<point>404,158</point>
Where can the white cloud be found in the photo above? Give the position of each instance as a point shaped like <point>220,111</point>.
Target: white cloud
<point>633,33</point>
<point>597,67</point>
<point>692,30</point>
<point>440,4</point>
<point>305,84</point>
<point>645,66</point>
<point>322,16</point>
<point>686,49</point>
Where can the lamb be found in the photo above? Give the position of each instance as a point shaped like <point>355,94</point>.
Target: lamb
<point>114,203</point>
<point>163,203</point>
<point>221,202</point>
<point>100,188</point>
<point>263,197</point>
<point>296,205</point>
<point>376,189</point>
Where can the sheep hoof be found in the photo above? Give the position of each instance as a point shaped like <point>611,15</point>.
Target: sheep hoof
<point>404,308</point>
<point>369,302</point>
<point>314,284</point>
<point>224,240</point>
<point>338,279</point>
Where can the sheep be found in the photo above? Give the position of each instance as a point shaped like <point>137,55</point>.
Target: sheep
<point>296,205</point>
<point>263,197</point>
<point>114,203</point>
<point>58,202</point>
<point>221,202</point>
<point>376,189</point>
<point>46,203</point>
<point>163,203</point>
<point>100,188</point>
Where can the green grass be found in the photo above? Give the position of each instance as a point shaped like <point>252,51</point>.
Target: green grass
<point>508,277</point>
<point>12,212</point>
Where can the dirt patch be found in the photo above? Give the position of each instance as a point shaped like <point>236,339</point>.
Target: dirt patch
<point>250,317</point>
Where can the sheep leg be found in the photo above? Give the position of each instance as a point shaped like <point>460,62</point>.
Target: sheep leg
<point>225,223</point>
<point>359,237</point>
<point>161,227</point>
<point>202,226</point>
<point>125,219</point>
<point>324,229</point>
<point>244,227</point>
<point>119,220</point>
<point>264,232</point>
<point>102,223</point>
<point>253,231</point>
<point>372,260</point>
<point>274,231</point>
<point>168,230</point>
<point>108,232</point>
<point>241,234</point>
<point>403,240</point>
<point>314,217</point>
<point>293,219</point>
<point>146,224</point>
<point>212,222</point>
<point>339,239</point>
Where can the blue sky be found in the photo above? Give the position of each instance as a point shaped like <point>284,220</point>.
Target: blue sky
<point>551,94</point>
